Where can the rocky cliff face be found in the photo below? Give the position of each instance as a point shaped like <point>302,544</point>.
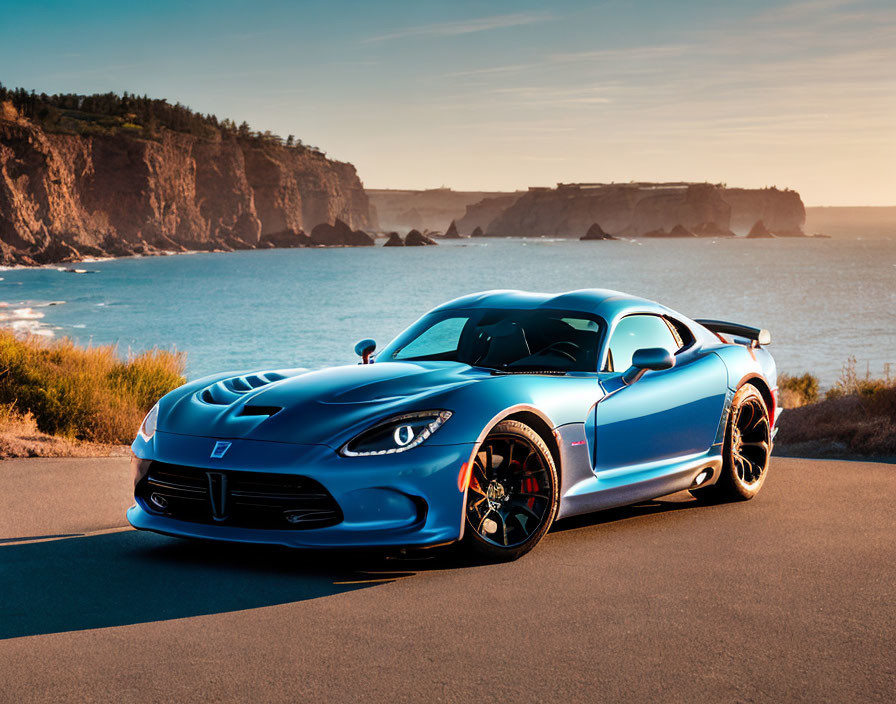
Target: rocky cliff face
<point>425,210</point>
<point>66,196</point>
<point>481,213</point>
<point>636,209</point>
<point>779,210</point>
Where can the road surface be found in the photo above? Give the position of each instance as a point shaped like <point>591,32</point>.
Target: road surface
<point>787,597</point>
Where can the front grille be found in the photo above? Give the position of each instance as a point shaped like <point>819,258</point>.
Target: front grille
<point>236,498</point>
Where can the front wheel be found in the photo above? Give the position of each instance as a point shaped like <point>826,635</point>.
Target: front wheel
<point>513,493</point>
<point>747,449</point>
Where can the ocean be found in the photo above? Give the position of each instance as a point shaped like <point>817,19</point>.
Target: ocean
<point>824,300</point>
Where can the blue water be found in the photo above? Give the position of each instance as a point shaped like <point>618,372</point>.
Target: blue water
<point>823,300</point>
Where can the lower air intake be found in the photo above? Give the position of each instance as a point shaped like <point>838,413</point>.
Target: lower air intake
<point>235,498</point>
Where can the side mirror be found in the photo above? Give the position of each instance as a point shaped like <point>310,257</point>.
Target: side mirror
<point>649,358</point>
<point>364,349</point>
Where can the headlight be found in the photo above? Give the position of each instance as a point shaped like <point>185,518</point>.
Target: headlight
<point>148,426</point>
<point>397,434</point>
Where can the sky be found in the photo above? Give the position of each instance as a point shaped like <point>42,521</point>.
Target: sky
<point>506,95</point>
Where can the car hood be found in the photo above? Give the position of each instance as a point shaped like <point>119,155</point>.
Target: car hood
<point>326,407</point>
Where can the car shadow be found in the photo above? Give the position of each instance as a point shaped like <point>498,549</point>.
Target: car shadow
<point>121,578</point>
<point>681,501</point>
<point>59,583</point>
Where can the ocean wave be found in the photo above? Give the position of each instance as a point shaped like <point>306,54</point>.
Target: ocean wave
<point>23,319</point>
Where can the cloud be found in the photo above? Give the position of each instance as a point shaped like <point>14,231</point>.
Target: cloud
<point>495,70</point>
<point>451,29</point>
<point>636,53</point>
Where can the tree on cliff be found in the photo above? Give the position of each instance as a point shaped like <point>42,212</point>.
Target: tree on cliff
<point>128,113</point>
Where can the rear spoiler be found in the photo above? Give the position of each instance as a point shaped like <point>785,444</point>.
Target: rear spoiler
<point>759,336</point>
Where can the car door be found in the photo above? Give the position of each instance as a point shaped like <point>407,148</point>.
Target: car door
<point>664,415</point>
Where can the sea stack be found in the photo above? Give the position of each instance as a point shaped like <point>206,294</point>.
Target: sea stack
<point>759,231</point>
<point>596,232</point>
<point>394,240</point>
<point>451,233</point>
<point>681,231</point>
<point>415,238</point>
<point>284,238</point>
<point>712,229</point>
<point>339,235</point>
<point>478,232</point>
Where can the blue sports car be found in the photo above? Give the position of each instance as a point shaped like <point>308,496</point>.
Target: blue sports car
<point>487,419</point>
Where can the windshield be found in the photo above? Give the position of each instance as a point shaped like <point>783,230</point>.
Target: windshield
<point>507,340</point>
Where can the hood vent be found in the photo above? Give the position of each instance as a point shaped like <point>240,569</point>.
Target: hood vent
<point>227,391</point>
<point>259,410</point>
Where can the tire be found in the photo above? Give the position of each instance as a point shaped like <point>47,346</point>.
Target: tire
<point>747,449</point>
<point>512,496</point>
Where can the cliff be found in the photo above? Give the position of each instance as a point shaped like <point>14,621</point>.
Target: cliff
<point>779,210</point>
<point>640,208</point>
<point>431,209</point>
<point>64,196</point>
<point>481,213</point>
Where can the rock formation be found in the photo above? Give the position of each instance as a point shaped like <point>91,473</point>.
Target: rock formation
<point>711,229</point>
<point>394,240</point>
<point>428,209</point>
<point>759,230</point>
<point>627,209</point>
<point>451,233</point>
<point>478,232</point>
<point>778,209</point>
<point>65,196</point>
<point>339,234</point>
<point>596,232</point>
<point>478,215</point>
<point>415,238</point>
<point>634,209</point>
<point>681,231</point>
<point>285,239</point>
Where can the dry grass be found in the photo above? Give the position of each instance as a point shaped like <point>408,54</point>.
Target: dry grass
<point>20,437</point>
<point>857,418</point>
<point>80,395</point>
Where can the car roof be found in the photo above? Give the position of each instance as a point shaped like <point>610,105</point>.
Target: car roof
<point>606,303</point>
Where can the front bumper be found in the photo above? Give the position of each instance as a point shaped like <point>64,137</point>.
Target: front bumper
<point>404,499</point>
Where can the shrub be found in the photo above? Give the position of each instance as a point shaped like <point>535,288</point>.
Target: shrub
<point>851,384</point>
<point>857,417</point>
<point>796,391</point>
<point>84,393</point>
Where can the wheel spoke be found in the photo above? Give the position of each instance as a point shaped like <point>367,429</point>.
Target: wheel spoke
<point>478,503</point>
<point>503,526</point>
<point>480,474</point>
<point>531,494</point>
<point>514,474</point>
<point>739,466</point>
<point>525,509</point>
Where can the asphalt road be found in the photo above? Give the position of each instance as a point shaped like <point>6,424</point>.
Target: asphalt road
<point>787,597</point>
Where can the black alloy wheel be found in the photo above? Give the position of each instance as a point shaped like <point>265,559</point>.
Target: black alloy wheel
<point>512,493</point>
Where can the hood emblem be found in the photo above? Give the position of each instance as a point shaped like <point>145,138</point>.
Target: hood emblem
<point>219,449</point>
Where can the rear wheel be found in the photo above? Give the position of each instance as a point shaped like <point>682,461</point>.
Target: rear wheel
<point>747,449</point>
<point>512,495</point>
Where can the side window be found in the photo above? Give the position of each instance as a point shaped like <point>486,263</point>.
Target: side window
<point>635,332</point>
<point>684,338</point>
<point>438,341</point>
